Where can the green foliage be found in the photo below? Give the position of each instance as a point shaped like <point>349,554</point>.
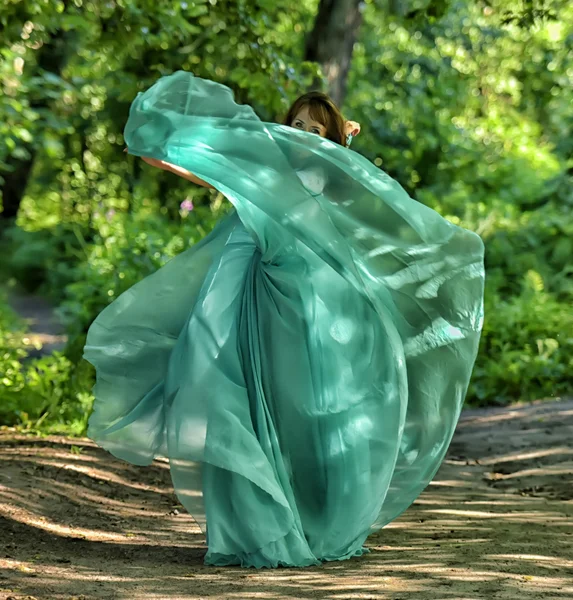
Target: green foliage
<point>520,242</point>
<point>473,115</point>
<point>12,345</point>
<point>125,250</point>
<point>465,110</point>
<point>41,260</point>
<point>70,71</point>
<point>468,105</point>
<point>49,393</point>
<point>526,348</point>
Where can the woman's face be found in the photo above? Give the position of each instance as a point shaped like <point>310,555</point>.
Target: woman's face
<point>304,122</point>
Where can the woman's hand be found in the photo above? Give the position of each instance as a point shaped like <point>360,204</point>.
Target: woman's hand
<point>351,128</point>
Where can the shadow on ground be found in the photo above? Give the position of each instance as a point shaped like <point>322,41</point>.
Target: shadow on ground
<point>496,523</point>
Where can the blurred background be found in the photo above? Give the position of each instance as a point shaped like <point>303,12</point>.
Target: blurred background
<point>469,105</point>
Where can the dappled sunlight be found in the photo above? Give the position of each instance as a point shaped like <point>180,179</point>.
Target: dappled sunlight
<point>526,517</point>
<point>517,456</point>
<point>42,523</point>
<point>555,562</point>
<point>99,475</point>
<point>119,529</point>
<point>565,469</point>
<point>466,108</point>
<point>446,483</point>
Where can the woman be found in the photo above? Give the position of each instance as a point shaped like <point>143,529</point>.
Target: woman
<point>303,367</point>
<point>313,112</point>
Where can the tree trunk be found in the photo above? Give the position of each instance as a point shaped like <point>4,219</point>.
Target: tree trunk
<point>331,42</point>
<point>14,186</point>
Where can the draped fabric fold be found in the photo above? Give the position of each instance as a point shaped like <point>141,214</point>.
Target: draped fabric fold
<point>304,366</point>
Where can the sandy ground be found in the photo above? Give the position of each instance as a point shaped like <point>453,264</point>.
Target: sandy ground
<point>496,523</point>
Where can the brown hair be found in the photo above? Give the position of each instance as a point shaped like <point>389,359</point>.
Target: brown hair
<point>322,109</point>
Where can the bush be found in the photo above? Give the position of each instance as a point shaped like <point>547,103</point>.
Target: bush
<point>41,259</point>
<point>83,269</point>
<point>526,350</point>
<point>125,250</point>
<point>49,393</point>
<point>539,240</point>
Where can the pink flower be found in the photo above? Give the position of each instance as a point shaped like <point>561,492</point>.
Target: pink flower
<point>187,205</point>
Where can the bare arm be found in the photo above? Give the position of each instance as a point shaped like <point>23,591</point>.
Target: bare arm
<point>161,164</point>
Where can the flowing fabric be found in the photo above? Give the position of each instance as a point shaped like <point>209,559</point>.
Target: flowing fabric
<point>304,366</point>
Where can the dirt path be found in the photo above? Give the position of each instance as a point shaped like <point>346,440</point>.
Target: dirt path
<point>44,328</point>
<point>496,523</point>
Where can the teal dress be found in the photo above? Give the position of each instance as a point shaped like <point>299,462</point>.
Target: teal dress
<point>303,367</point>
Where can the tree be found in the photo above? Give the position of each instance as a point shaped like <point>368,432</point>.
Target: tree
<point>51,60</point>
<point>331,42</point>
<point>67,101</point>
